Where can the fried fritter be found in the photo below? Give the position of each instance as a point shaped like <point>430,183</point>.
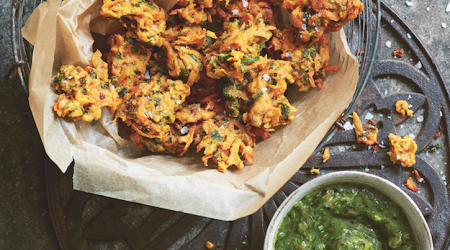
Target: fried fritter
<point>85,91</point>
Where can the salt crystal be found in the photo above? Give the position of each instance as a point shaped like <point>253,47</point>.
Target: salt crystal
<point>244,3</point>
<point>288,54</point>
<point>389,117</point>
<point>408,35</point>
<point>398,157</point>
<point>353,146</point>
<point>392,21</point>
<point>222,126</point>
<point>440,113</point>
<point>389,44</point>
<point>264,89</point>
<point>177,101</point>
<point>409,4</point>
<point>428,8</point>
<point>420,180</point>
<point>442,172</point>
<point>235,12</point>
<point>147,74</point>
<point>154,27</point>
<point>401,126</point>
<point>317,29</point>
<point>303,26</point>
<point>445,183</point>
<point>443,178</point>
<point>382,166</point>
<point>369,116</point>
<point>418,65</point>
<point>348,126</point>
<point>382,146</point>
<point>448,8</point>
<point>409,97</point>
<point>266,77</point>
<point>367,169</point>
<point>409,106</point>
<point>418,191</point>
<point>184,130</point>
<point>412,136</point>
<point>444,25</point>
<point>426,209</point>
<point>420,118</point>
<point>385,92</point>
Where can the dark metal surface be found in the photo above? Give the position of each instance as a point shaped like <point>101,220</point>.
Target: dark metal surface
<point>86,221</point>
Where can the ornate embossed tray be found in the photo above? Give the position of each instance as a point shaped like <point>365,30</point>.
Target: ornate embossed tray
<point>87,221</point>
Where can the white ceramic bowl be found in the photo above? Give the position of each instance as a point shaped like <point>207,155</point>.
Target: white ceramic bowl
<point>418,223</point>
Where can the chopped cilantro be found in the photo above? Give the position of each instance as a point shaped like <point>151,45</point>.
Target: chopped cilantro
<point>285,110</point>
<point>216,136</point>
<point>250,60</point>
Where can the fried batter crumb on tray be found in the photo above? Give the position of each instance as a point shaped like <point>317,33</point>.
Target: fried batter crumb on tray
<point>368,136</point>
<point>326,154</point>
<point>398,52</point>
<point>401,106</point>
<point>209,245</point>
<point>208,74</point>
<point>314,170</point>
<point>411,185</point>
<point>403,150</point>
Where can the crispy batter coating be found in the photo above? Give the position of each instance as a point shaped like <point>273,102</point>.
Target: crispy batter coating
<point>128,62</point>
<point>314,18</point>
<point>401,106</point>
<point>403,150</point>
<point>411,185</point>
<point>85,91</point>
<point>211,73</point>
<point>143,17</point>
<point>227,142</point>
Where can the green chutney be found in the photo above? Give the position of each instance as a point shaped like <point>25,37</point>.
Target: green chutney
<point>345,216</point>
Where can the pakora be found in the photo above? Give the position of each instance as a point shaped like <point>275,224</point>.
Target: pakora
<point>401,106</point>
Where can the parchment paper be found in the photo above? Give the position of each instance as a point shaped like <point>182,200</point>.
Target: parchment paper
<point>108,164</point>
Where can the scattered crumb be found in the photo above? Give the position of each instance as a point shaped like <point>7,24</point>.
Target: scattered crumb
<point>368,135</point>
<point>360,52</point>
<point>410,184</point>
<point>418,65</point>
<point>388,44</point>
<point>402,150</point>
<point>401,106</point>
<point>398,52</point>
<point>209,245</point>
<point>326,154</point>
<point>314,171</point>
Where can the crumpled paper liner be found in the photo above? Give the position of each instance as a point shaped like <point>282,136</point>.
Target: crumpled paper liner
<point>106,161</point>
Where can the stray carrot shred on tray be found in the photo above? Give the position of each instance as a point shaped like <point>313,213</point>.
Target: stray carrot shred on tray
<point>209,245</point>
<point>326,154</point>
<point>410,184</point>
<point>398,52</point>
<point>417,175</point>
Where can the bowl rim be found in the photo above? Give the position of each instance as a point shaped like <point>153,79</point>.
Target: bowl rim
<point>420,229</point>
